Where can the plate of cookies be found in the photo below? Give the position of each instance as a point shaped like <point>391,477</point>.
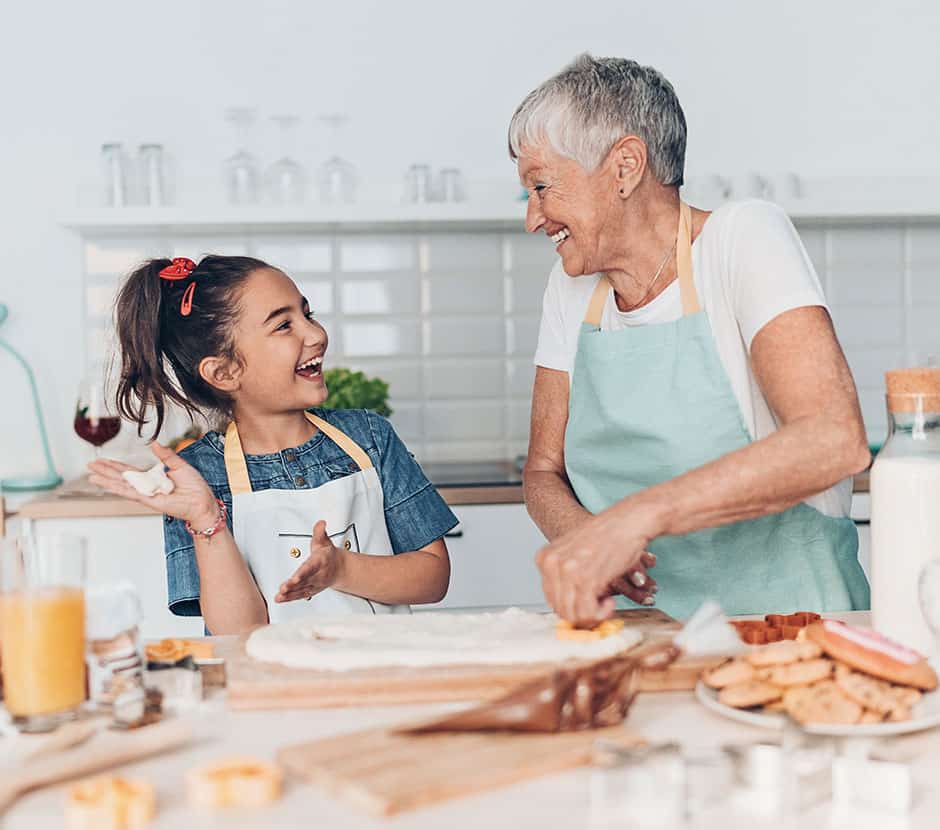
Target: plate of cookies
<point>833,679</point>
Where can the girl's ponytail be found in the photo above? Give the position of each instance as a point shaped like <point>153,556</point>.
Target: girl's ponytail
<point>143,383</point>
<point>166,327</point>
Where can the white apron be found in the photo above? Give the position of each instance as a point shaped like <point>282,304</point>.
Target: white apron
<point>273,528</point>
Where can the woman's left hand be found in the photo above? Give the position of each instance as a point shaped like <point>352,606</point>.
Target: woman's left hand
<point>319,571</point>
<point>582,569</point>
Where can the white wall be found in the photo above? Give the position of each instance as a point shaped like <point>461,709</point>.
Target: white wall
<point>833,88</point>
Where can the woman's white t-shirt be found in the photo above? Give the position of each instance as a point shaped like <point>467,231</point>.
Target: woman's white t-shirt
<point>749,266</point>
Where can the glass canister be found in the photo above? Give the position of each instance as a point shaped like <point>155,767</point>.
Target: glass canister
<point>905,507</point>
<point>114,168</point>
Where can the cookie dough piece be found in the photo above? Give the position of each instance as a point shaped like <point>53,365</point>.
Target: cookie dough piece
<point>150,482</point>
<point>823,703</point>
<point>783,653</point>
<point>728,674</point>
<point>867,651</point>
<point>749,693</point>
<point>802,673</point>
<point>234,782</point>
<point>109,803</point>
<point>564,630</point>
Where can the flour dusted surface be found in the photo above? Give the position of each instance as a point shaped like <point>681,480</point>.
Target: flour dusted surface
<point>429,639</point>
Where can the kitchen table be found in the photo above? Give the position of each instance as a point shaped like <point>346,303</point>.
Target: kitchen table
<point>558,801</point>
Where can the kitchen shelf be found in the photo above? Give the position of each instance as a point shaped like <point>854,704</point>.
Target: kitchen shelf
<point>506,215</point>
<point>496,215</point>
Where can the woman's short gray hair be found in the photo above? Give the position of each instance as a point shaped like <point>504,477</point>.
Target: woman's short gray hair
<point>593,103</point>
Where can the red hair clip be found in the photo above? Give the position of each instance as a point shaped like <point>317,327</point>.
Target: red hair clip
<point>179,269</point>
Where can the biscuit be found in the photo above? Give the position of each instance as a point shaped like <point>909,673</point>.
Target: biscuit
<point>822,703</point>
<point>782,653</point>
<point>109,803</point>
<point>234,782</point>
<point>867,651</point>
<point>869,716</point>
<point>749,693</point>
<point>728,674</point>
<point>867,691</point>
<point>564,630</point>
<point>802,673</point>
<point>905,696</point>
<point>899,714</point>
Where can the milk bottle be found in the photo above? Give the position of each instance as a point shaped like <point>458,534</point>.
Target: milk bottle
<point>905,507</point>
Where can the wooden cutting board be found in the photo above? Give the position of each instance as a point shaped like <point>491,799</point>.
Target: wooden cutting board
<point>253,684</point>
<point>383,773</point>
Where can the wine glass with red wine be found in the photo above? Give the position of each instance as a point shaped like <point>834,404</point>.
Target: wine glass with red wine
<point>95,418</point>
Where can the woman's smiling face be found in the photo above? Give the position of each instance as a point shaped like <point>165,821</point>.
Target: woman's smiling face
<point>573,207</point>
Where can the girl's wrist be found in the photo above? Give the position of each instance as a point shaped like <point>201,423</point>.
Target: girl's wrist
<point>208,520</point>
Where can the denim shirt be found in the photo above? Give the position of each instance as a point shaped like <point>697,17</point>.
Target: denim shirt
<point>415,513</point>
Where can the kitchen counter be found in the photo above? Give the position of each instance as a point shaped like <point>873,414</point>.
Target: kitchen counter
<point>557,801</point>
<point>486,482</point>
<point>492,482</point>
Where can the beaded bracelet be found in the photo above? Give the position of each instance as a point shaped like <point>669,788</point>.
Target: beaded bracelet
<point>219,523</point>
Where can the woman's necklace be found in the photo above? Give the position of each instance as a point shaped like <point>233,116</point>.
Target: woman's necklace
<point>656,276</point>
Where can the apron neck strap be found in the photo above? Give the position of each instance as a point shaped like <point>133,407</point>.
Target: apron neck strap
<point>690,303</point>
<point>236,467</point>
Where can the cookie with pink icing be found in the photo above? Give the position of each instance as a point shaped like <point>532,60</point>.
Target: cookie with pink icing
<point>868,651</point>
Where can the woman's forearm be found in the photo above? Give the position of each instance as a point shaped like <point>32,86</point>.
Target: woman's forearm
<point>552,503</point>
<point>414,577</point>
<point>230,600</point>
<point>802,458</point>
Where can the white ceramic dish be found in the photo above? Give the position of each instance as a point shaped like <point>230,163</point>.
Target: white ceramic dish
<point>925,715</point>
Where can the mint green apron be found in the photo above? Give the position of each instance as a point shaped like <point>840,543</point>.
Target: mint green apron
<point>652,402</point>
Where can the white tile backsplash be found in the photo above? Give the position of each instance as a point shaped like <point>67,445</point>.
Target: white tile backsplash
<point>380,338</point>
<point>119,256</point>
<point>869,244</point>
<point>386,294</point>
<point>378,253</point>
<point>925,282</point>
<point>868,325</point>
<point>465,293</point>
<point>463,420</point>
<point>462,378</point>
<point>468,336</point>
<point>858,283</point>
<point>477,253</point>
<point>294,254</point>
<point>925,245</point>
<point>450,320</point>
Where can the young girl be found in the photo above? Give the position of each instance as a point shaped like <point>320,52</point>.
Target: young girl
<point>232,335</point>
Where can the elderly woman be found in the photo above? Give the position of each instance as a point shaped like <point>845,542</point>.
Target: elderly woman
<point>692,408</point>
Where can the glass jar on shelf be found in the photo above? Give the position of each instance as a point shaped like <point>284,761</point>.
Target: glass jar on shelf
<point>114,169</point>
<point>241,168</point>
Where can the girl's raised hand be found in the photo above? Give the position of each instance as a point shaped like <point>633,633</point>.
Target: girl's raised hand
<point>191,499</point>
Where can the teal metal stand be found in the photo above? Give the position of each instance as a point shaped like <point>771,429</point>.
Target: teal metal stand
<point>51,478</point>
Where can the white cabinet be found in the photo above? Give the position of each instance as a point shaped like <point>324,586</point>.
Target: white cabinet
<point>492,554</point>
<point>492,559</point>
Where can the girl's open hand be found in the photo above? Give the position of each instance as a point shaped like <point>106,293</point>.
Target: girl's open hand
<point>191,499</point>
<point>319,570</point>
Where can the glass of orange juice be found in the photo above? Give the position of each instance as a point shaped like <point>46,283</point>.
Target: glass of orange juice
<point>42,629</point>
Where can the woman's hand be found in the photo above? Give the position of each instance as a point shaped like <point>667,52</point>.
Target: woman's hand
<point>191,499</point>
<point>319,571</point>
<point>637,584</point>
<point>581,570</point>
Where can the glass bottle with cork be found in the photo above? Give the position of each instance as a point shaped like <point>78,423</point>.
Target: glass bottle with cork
<point>905,509</point>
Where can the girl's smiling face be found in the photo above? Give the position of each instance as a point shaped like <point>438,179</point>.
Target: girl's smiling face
<point>280,345</point>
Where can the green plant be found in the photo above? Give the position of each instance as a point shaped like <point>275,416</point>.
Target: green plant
<point>353,390</point>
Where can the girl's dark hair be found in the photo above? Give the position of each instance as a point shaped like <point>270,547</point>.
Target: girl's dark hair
<point>161,349</point>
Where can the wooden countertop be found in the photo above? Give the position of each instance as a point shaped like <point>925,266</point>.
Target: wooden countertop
<point>76,499</point>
